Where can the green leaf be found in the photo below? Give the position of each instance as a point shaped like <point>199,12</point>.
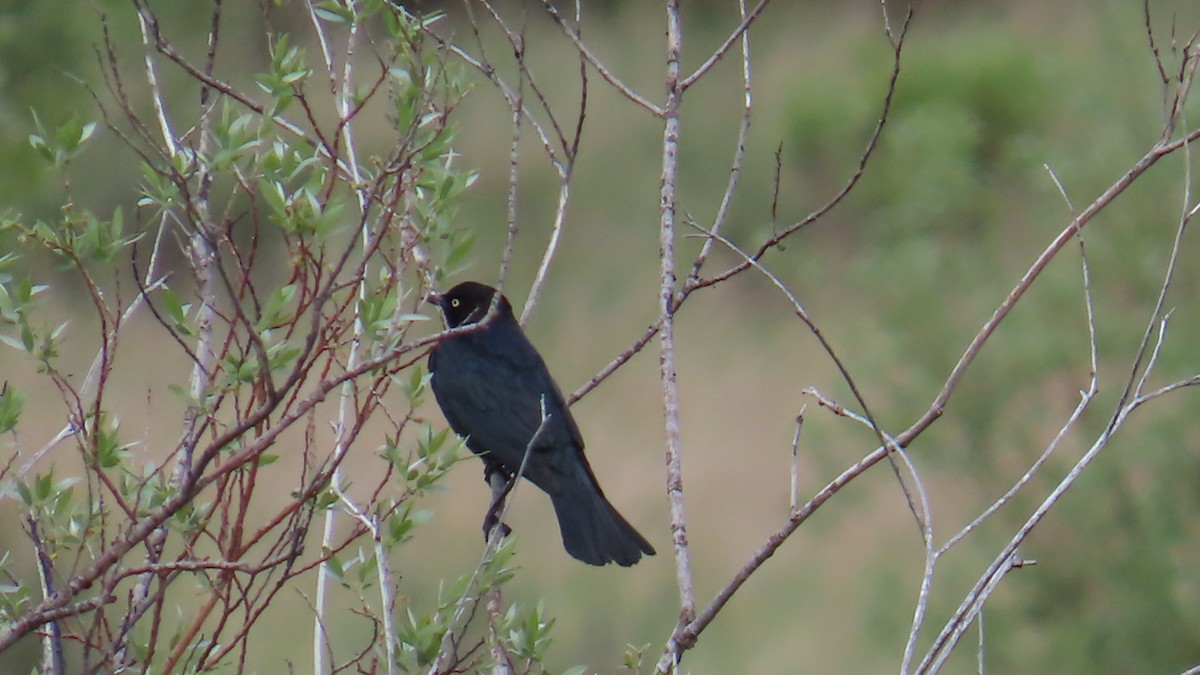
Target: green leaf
<point>273,311</point>
<point>12,400</point>
<point>329,217</point>
<point>335,567</point>
<point>182,393</point>
<point>8,310</point>
<point>459,248</point>
<point>177,312</point>
<point>28,340</point>
<point>13,342</point>
<point>157,188</point>
<point>275,197</point>
<point>43,486</point>
<point>334,12</point>
<point>281,355</point>
<point>65,143</point>
<point>24,492</point>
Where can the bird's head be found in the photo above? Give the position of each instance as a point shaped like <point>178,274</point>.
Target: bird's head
<point>468,303</point>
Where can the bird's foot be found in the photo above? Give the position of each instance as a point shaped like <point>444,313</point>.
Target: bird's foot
<point>501,485</point>
<point>493,527</point>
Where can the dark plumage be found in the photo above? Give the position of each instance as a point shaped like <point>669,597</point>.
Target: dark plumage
<point>491,384</point>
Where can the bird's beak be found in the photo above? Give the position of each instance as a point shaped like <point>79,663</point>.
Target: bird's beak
<point>434,298</point>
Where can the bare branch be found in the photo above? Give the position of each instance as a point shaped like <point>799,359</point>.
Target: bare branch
<point>678,642</point>
<point>740,32</point>
<point>872,143</point>
<point>602,69</point>
<point>739,154</point>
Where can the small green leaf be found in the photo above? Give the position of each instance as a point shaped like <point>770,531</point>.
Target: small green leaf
<point>11,402</point>
<point>273,311</point>
<point>334,12</point>
<point>182,393</point>
<point>24,492</point>
<point>336,569</point>
<point>175,308</point>
<point>13,342</point>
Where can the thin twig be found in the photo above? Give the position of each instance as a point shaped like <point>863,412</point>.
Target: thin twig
<point>603,70</point>
<point>864,158</point>
<point>739,33</point>
<point>549,142</point>
<point>1130,400</point>
<point>795,479</point>
<point>801,313</point>
<point>739,153</point>
<point>938,406</point>
<point>1086,395</point>
<point>494,539</point>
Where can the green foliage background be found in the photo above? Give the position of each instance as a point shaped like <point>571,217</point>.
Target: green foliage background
<point>954,207</point>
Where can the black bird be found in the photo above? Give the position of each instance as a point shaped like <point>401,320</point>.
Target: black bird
<point>492,385</point>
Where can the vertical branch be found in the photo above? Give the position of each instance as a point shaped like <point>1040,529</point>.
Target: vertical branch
<point>666,297</point>
<point>202,255</point>
<point>344,104</point>
<point>514,165</point>
<point>794,497</point>
<point>501,660</point>
<point>52,650</point>
<point>203,258</point>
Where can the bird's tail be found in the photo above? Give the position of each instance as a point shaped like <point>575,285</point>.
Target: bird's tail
<point>593,531</point>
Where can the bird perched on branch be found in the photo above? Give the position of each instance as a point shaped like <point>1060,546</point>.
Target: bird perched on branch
<point>495,391</point>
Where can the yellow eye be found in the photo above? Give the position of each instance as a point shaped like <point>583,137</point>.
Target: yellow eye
<point>455,302</point>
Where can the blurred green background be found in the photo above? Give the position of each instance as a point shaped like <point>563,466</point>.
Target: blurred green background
<point>953,208</point>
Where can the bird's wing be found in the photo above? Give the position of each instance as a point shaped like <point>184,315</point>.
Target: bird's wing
<point>496,403</point>
<point>528,379</point>
<point>561,460</point>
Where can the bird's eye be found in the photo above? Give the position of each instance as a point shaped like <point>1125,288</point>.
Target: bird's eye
<point>455,302</point>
